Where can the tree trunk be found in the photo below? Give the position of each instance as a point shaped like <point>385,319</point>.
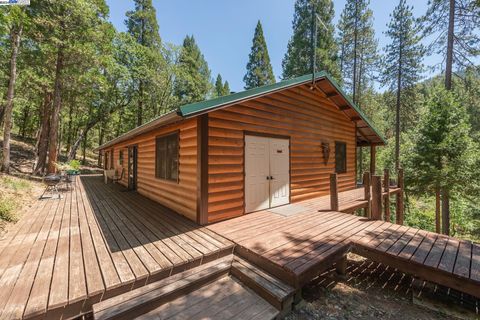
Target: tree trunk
<point>437,210</point>
<point>355,44</point>
<point>100,142</point>
<point>445,212</point>
<point>84,148</point>
<point>140,105</point>
<point>449,61</point>
<point>55,120</point>
<point>15,37</point>
<point>398,105</point>
<point>73,150</point>
<point>42,142</point>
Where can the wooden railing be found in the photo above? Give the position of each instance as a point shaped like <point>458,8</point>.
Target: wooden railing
<point>376,196</point>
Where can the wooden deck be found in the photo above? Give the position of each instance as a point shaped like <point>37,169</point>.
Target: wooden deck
<point>300,246</point>
<point>94,243</point>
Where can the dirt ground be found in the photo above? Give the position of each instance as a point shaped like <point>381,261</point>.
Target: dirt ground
<point>372,291</point>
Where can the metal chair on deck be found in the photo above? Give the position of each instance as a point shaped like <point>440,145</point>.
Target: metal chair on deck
<point>51,182</point>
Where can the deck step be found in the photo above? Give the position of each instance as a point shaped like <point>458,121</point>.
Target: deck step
<point>143,299</point>
<point>277,293</point>
<point>226,298</point>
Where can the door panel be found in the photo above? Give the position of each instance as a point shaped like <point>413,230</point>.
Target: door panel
<point>279,171</point>
<point>265,158</point>
<point>256,173</point>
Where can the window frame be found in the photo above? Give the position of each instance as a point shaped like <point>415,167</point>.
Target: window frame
<point>163,136</point>
<point>344,168</point>
<point>120,157</point>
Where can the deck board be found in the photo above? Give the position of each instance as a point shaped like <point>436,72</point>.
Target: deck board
<point>94,243</point>
<point>300,246</point>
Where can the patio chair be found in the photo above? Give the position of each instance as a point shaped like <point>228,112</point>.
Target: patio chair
<point>118,177</point>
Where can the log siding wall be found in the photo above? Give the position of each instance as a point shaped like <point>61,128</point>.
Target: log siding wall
<point>181,196</point>
<point>307,117</point>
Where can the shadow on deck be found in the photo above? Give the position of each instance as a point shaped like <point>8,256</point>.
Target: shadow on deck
<point>94,243</point>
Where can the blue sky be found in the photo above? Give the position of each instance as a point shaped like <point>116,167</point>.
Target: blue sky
<point>224,29</point>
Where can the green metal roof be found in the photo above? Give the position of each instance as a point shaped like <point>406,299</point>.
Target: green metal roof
<point>197,108</point>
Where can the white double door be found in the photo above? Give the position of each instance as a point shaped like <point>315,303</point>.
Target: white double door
<point>267,176</point>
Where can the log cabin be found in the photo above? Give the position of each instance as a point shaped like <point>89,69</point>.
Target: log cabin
<point>248,151</point>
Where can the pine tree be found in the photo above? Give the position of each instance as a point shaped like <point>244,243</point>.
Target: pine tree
<point>226,88</point>
<point>193,79</point>
<point>358,54</point>
<point>444,155</point>
<point>455,25</point>
<point>402,63</point>
<point>259,68</point>
<point>221,89</point>
<point>297,60</point>
<point>142,25</point>
<point>358,48</point>
<point>15,21</point>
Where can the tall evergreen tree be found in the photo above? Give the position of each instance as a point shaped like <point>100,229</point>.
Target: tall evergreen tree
<point>15,21</point>
<point>402,63</point>
<point>358,54</point>
<point>259,68</point>
<point>455,25</point>
<point>297,60</point>
<point>142,25</point>
<point>444,155</point>
<point>221,88</point>
<point>193,79</point>
<point>358,48</point>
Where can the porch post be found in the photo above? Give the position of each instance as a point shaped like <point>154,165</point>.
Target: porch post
<point>373,159</point>
<point>399,202</point>
<point>386,183</point>
<point>376,197</point>
<point>202,169</point>
<point>333,192</point>
<point>367,188</point>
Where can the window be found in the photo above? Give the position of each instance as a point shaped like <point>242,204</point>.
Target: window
<point>112,166</point>
<point>120,158</point>
<point>105,161</point>
<point>340,157</point>
<point>166,158</point>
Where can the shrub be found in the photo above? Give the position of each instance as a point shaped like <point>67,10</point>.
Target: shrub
<point>7,206</point>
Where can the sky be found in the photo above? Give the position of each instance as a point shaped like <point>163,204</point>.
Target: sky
<point>224,29</point>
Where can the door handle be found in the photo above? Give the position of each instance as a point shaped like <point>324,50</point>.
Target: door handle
<point>268,177</point>
<point>271,178</point>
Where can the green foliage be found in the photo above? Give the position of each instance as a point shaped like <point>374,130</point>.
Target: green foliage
<point>299,52</point>
<point>358,48</point>
<point>221,88</point>
<point>259,68</point>
<point>74,164</point>
<point>14,184</point>
<point>7,207</point>
<point>444,153</point>
<point>466,45</point>
<point>192,83</point>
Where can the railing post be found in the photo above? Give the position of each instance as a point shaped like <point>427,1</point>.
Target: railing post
<point>376,197</point>
<point>386,184</point>
<point>333,192</point>
<point>368,196</point>
<point>399,202</point>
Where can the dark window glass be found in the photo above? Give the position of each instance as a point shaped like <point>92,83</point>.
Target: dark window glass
<point>166,158</point>
<point>120,157</point>
<point>340,157</point>
<point>111,160</point>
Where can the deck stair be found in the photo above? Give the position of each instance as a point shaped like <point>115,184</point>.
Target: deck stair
<point>211,290</point>
<point>277,293</point>
<point>143,299</point>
